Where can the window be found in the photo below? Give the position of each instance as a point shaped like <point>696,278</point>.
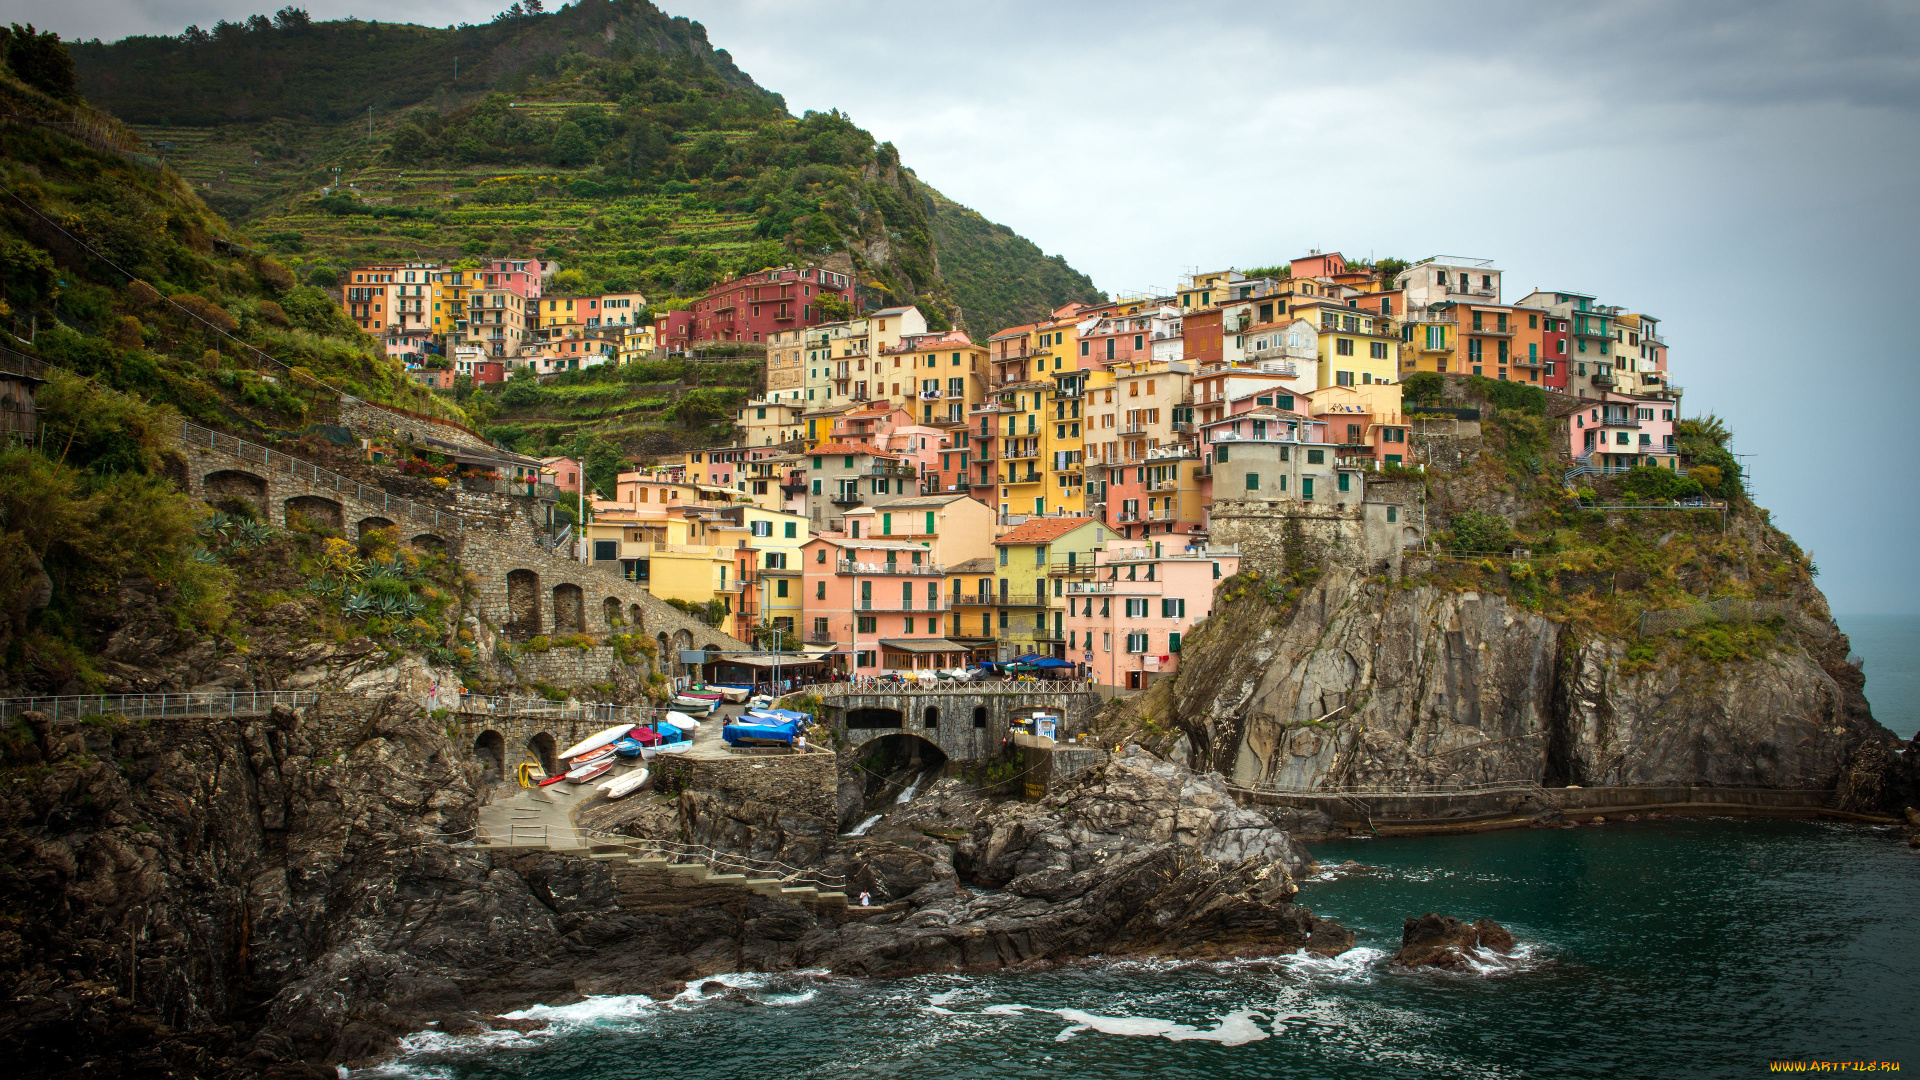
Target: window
<point>1343,346</point>
<point>1377,350</point>
<point>1393,514</point>
<point>1316,457</point>
<point>1173,643</point>
<point>1306,487</point>
<point>1136,643</point>
<point>1343,378</point>
<point>792,532</point>
<point>761,528</point>
<point>1173,608</point>
<point>1003,562</point>
<point>820,555</point>
<point>819,590</point>
<point>780,587</point>
<point>868,623</point>
<point>1253,483</point>
<point>1220,453</point>
<point>1137,608</point>
<point>886,524</point>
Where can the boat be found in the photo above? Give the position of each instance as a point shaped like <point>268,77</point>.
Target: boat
<point>630,746</point>
<point>759,700</point>
<point>605,753</point>
<point>683,721</point>
<point>552,780</point>
<point>735,694</point>
<point>595,742</point>
<point>761,733</point>
<point>777,716</point>
<point>626,783</point>
<point>585,773</point>
<point>672,748</point>
<point>695,703</point>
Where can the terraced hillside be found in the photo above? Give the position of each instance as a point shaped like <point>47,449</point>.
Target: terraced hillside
<point>607,135</point>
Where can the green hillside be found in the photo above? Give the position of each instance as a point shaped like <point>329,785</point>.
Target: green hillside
<point>608,135</point>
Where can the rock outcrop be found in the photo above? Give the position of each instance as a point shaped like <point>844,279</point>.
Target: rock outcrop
<point>1364,684</point>
<point>1442,941</point>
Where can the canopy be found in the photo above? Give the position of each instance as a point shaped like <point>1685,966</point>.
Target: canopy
<point>1048,663</point>
<point>1026,659</point>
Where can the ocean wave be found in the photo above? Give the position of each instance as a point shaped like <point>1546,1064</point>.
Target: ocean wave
<point>1236,1028</point>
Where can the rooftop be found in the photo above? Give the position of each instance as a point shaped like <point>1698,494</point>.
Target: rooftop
<point>1042,530</point>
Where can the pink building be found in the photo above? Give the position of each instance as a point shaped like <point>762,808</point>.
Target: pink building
<point>1621,431</point>
<point>1126,623</point>
<point>561,472</point>
<point>526,277</point>
<point>879,603</point>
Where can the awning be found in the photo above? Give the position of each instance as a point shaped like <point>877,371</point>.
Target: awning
<point>925,645</point>
<point>787,660</point>
<point>1051,663</point>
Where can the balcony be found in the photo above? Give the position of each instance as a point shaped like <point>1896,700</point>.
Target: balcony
<point>1618,422</point>
<point>1169,484</point>
<point>909,472</point>
<point>1127,516</point>
<point>1134,429</point>
<point>931,395</point>
<point>820,637</point>
<point>905,604</point>
<point>847,498</point>
<point>848,566</point>
<point>1021,454</point>
<point>1015,478</point>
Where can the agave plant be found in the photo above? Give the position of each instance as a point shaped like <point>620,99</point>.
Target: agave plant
<point>388,571</point>
<point>386,605</point>
<point>251,534</point>
<point>357,604</point>
<point>217,526</point>
<point>202,555</point>
<point>411,605</point>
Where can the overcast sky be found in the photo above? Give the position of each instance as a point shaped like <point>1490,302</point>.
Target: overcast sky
<point>1743,170</point>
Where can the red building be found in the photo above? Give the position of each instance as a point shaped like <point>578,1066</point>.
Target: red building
<point>753,306</point>
<point>1553,347</point>
<point>1203,331</point>
<point>673,331</point>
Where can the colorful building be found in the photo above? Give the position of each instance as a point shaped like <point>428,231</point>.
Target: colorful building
<point>1036,560</point>
<point>1126,617</point>
<point>879,603</point>
<point>753,307</point>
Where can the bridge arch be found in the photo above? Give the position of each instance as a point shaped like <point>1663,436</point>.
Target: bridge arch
<point>546,751</point>
<point>429,542</point>
<point>490,751</point>
<point>369,524</point>
<point>979,716</point>
<point>899,749</point>
<point>523,604</point>
<point>319,511</point>
<point>569,609</point>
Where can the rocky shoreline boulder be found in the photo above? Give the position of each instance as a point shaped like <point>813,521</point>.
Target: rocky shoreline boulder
<point>1442,941</point>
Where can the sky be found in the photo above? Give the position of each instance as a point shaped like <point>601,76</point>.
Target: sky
<point>1743,169</point>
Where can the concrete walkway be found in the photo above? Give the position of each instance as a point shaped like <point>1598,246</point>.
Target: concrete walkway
<point>542,817</point>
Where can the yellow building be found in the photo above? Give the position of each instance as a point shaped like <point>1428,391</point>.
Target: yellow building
<point>787,366</point>
<point>1357,348</point>
<point>947,375</point>
<point>1031,611</point>
<point>637,343</point>
<point>449,315</point>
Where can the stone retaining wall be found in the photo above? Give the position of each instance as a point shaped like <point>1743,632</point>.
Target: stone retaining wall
<point>804,782</point>
<point>1274,534</point>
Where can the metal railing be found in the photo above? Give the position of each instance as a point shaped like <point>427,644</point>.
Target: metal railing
<point>222,443</point>
<point>726,862</point>
<point>69,708</point>
<point>476,705</point>
<point>846,566</point>
<point>869,684</point>
<point>1406,789</point>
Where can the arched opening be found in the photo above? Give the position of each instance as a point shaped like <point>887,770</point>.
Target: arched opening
<point>569,609</point>
<point>875,718</point>
<point>682,642</point>
<point>663,652</point>
<point>980,716</point>
<point>429,542</point>
<point>490,751</point>
<point>523,604</point>
<point>897,765</point>
<point>367,525</point>
<point>932,718</point>
<point>546,752</point>
<point>235,491</point>
<point>319,512</point>
<point>610,610</point>
<point>636,623</point>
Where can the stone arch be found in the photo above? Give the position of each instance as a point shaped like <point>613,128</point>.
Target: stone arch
<point>429,542</point>
<point>636,619</point>
<point>931,719</point>
<point>224,484</point>
<point>523,604</point>
<point>546,750</point>
<point>980,716</point>
<point>610,611</point>
<point>490,751</point>
<point>319,511</point>
<point>368,524</point>
<point>876,717</point>
<point>917,745</point>
<point>569,609</point>
<point>665,651</point>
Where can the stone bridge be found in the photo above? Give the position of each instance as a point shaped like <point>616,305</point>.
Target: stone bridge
<point>523,588</point>
<point>502,732</point>
<point>966,722</point>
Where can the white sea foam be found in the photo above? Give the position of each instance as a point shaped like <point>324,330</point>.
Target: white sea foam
<point>1003,1010</point>
<point>1234,1029</point>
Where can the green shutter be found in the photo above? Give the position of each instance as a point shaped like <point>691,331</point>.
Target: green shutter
<point>1173,642</point>
<point>1253,481</point>
<point>791,530</point>
<point>1306,487</point>
<point>886,524</point>
<point>1344,477</point>
<point>929,523</point>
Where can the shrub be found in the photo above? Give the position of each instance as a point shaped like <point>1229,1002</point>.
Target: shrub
<point>1477,530</point>
<point>1422,388</point>
<point>1517,397</point>
<point>1652,482</point>
<point>272,313</point>
<point>206,311</point>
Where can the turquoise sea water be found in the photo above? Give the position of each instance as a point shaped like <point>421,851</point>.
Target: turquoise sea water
<point>1890,645</point>
<point>1665,949</point>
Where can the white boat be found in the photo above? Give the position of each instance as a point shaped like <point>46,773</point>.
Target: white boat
<point>626,784</point>
<point>695,704</point>
<point>683,721</point>
<point>735,694</point>
<point>589,771</point>
<point>594,742</point>
<point>666,748</point>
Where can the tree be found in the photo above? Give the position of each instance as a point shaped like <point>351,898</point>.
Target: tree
<point>40,60</point>
<point>569,146</point>
<point>291,18</point>
<point>534,7</point>
<point>1422,388</point>
<point>258,24</point>
<point>1478,531</point>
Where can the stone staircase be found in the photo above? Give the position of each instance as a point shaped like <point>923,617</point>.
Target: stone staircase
<point>651,878</point>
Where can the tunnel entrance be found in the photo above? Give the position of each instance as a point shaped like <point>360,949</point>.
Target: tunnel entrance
<point>875,718</point>
<point>895,768</point>
<point>490,752</point>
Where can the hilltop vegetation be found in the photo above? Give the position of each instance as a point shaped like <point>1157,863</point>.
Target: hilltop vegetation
<point>607,135</point>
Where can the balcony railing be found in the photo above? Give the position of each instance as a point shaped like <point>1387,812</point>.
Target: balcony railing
<point>1169,484</point>
<point>905,604</point>
<point>1021,454</point>
<point>847,498</point>
<point>1134,429</point>
<point>820,637</point>
<point>1618,421</point>
<point>908,471</point>
<point>848,566</point>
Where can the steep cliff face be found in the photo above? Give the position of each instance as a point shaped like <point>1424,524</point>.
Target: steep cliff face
<point>1361,683</point>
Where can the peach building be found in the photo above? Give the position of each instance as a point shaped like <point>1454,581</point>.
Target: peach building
<point>1125,624</point>
<point>879,603</point>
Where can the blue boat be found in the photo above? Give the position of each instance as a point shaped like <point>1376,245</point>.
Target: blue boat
<point>768,733</point>
<point>629,747</point>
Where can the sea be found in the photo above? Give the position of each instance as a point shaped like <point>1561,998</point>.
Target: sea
<point>1889,645</point>
<point>1656,949</point>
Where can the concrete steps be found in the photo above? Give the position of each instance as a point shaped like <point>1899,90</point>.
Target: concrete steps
<point>693,873</point>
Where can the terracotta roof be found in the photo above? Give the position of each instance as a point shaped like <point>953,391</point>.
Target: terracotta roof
<point>1043,530</point>
<point>850,448</point>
